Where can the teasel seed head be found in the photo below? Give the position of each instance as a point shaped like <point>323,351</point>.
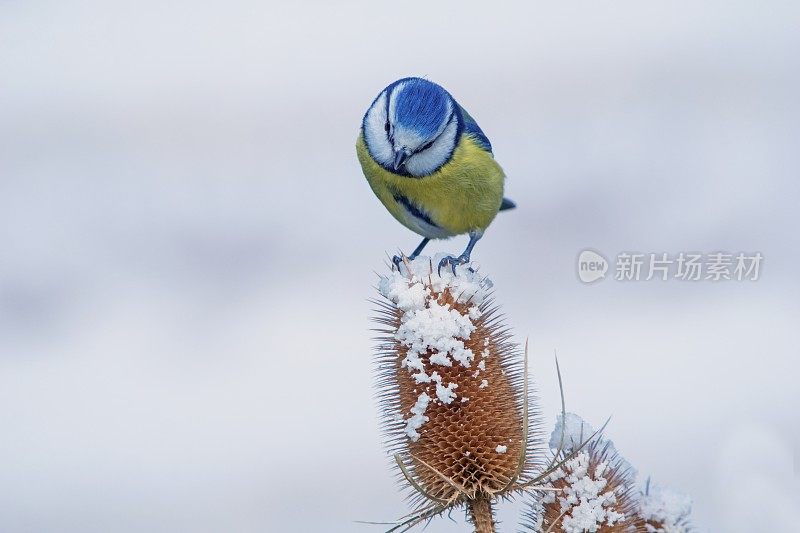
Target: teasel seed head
<point>593,490</point>
<point>453,392</point>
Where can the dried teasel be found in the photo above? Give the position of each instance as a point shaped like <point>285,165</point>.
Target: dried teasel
<point>595,486</point>
<point>453,394</point>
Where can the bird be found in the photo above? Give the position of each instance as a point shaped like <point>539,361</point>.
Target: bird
<point>431,165</point>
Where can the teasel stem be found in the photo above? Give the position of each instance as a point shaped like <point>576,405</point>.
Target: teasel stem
<point>481,515</point>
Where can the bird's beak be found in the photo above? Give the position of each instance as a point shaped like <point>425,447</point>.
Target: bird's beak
<point>400,157</point>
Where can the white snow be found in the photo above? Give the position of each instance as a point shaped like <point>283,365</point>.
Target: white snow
<point>437,328</point>
<point>427,326</point>
<point>583,500</point>
<point>446,394</point>
<point>575,430</point>
<point>501,449</point>
<point>405,295</point>
<point>418,417</point>
<point>667,507</point>
<point>466,285</point>
<point>484,384</point>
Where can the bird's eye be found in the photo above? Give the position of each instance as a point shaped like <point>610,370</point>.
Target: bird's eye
<point>386,126</point>
<point>426,146</point>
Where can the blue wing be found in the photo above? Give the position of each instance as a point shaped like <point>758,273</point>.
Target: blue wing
<point>471,128</point>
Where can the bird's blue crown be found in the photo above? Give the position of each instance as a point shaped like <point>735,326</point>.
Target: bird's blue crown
<point>422,106</point>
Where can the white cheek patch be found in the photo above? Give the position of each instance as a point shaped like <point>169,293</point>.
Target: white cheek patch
<point>428,161</point>
<point>375,132</point>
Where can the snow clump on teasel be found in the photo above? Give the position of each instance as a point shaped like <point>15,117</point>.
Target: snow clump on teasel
<point>595,486</point>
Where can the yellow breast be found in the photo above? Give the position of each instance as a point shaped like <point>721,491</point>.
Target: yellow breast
<point>463,195</point>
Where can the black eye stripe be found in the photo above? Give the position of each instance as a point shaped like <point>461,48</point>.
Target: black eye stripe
<point>388,125</point>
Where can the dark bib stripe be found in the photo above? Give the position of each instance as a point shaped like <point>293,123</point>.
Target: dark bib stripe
<point>414,210</point>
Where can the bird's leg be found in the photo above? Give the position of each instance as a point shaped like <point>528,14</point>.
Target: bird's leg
<point>418,250</point>
<point>474,236</point>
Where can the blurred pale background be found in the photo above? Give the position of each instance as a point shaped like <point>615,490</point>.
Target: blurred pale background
<point>187,246</point>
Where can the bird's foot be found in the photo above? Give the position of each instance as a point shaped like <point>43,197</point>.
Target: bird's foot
<point>397,260</point>
<point>462,259</point>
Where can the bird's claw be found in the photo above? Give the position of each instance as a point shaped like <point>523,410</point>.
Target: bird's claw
<point>397,260</point>
<point>454,262</point>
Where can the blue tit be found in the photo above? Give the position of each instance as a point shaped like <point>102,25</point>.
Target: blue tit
<point>430,164</point>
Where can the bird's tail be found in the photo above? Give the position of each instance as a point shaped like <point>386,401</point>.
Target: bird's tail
<point>507,204</point>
